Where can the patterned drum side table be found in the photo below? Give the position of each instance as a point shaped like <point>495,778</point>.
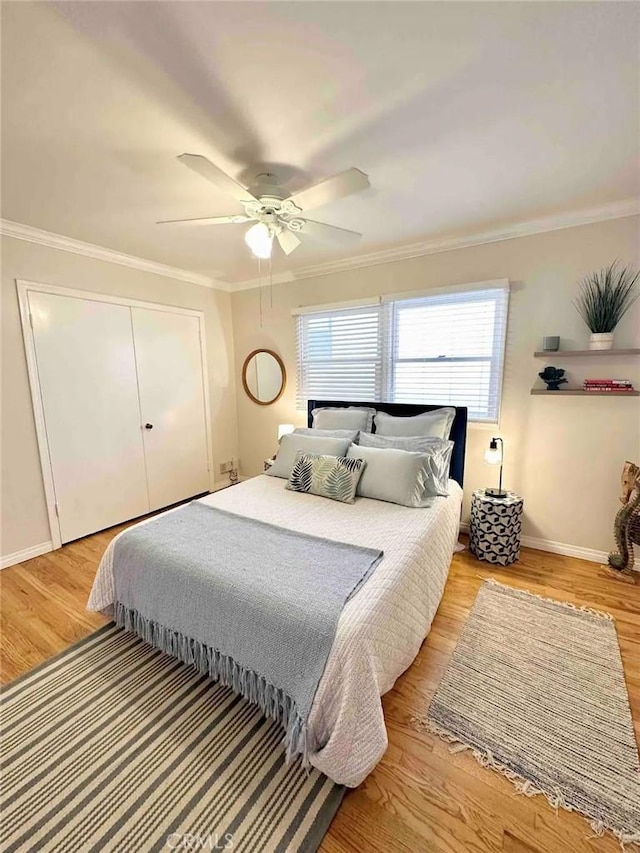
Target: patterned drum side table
<point>495,527</point>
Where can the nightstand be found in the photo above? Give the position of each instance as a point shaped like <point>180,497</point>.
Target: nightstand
<point>495,527</point>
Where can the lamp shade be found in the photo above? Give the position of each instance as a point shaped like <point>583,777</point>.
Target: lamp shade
<point>493,455</point>
<point>260,240</point>
<point>284,429</point>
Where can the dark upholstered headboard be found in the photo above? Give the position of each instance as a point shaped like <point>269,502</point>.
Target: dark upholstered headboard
<point>407,410</point>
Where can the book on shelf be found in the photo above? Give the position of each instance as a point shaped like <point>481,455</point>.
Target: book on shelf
<point>614,389</point>
<point>614,383</point>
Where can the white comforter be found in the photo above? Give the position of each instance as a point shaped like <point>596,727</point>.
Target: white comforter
<point>381,628</point>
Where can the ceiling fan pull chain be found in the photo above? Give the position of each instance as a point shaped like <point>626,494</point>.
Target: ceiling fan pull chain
<point>270,284</point>
<point>260,287</point>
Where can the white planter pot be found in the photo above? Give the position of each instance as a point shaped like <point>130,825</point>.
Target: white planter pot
<point>601,340</point>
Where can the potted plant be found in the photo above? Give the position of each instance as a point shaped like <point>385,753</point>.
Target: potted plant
<point>604,297</point>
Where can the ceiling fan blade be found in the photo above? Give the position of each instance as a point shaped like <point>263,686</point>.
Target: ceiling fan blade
<point>208,220</point>
<point>216,176</point>
<point>329,233</point>
<point>288,241</point>
<point>330,189</point>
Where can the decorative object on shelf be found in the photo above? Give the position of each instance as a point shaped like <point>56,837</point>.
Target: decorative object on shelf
<point>551,343</point>
<point>604,298</point>
<point>264,376</point>
<point>553,377</point>
<point>284,429</point>
<point>495,527</point>
<point>626,527</point>
<point>609,385</point>
<point>494,456</point>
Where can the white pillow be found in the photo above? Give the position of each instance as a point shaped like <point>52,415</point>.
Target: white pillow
<point>436,423</point>
<point>351,434</point>
<point>396,476</point>
<point>437,449</point>
<point>291,443</point>
<point>352,417</point>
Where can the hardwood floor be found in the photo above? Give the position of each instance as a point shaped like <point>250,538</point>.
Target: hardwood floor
<point>420,797</point>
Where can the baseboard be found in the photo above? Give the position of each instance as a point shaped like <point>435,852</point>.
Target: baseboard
<point>45,547</point>
<point>565,550</point>
<point>527,541</point>
<point>557,547</point>
<point>27,554</point>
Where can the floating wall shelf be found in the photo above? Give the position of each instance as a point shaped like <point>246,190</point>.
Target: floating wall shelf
<point>580,393</point>
<point>567,353</point>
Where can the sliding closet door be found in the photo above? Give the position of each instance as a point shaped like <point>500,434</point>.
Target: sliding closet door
<point>87,376</point>
<point>170,381</point>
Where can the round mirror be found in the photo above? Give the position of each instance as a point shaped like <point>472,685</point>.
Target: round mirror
<point>264,376</point>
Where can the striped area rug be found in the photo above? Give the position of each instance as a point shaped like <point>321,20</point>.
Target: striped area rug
<point>536,690</point>
<point>114,746</point>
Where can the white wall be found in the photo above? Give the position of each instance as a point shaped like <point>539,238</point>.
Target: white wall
<point>24,522</point>
<point>564,455</point>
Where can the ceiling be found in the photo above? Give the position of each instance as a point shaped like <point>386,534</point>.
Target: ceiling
<point>465,116</point>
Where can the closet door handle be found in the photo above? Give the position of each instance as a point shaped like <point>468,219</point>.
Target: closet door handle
<point>148,426</point>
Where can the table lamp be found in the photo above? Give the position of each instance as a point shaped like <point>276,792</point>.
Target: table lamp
<point>494,455</point>
<point>284,429</point>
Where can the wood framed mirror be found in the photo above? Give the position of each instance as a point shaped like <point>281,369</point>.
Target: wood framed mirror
<point>264,376</point>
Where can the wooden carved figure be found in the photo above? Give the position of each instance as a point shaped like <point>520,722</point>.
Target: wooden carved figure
<point>626,526</point>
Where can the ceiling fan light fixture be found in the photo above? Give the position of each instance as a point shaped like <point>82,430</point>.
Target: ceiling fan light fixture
<point>259,238</point>
<point>273,208</point>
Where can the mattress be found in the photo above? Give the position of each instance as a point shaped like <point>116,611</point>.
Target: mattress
<point>381,628</point>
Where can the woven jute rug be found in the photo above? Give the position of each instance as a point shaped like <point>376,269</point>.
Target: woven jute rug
<point>536,690</point>
<point>114,746</point>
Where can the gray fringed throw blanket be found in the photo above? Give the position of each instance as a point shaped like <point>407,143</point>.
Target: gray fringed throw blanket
<point>253,605</point>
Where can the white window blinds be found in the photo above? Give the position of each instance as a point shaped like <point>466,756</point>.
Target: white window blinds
<point>444,347</point>
<point>339,355</point>
<point>449,348</point>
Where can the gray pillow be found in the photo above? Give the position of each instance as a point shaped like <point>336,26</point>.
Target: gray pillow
<point>415,443</point>
<point>351,434</point>
<point>396,476</point>
<point>334,477</point>
<point>436,423</point>
<point>352,417</point>
<point>437,449</point>
<point>292,443</point>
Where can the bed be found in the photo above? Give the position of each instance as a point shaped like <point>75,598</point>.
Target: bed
<point>382,627</point>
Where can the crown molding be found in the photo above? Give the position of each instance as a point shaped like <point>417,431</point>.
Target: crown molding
<point>554,222</point>
<point>19,231</point>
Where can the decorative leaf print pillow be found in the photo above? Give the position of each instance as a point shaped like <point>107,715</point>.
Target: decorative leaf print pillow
<point>334,477</point>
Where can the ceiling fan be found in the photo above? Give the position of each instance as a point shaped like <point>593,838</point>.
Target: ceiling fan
<point>276,212</point>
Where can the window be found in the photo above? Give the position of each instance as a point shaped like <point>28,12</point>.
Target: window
<point>339,355</point>
<point>444,347</point>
